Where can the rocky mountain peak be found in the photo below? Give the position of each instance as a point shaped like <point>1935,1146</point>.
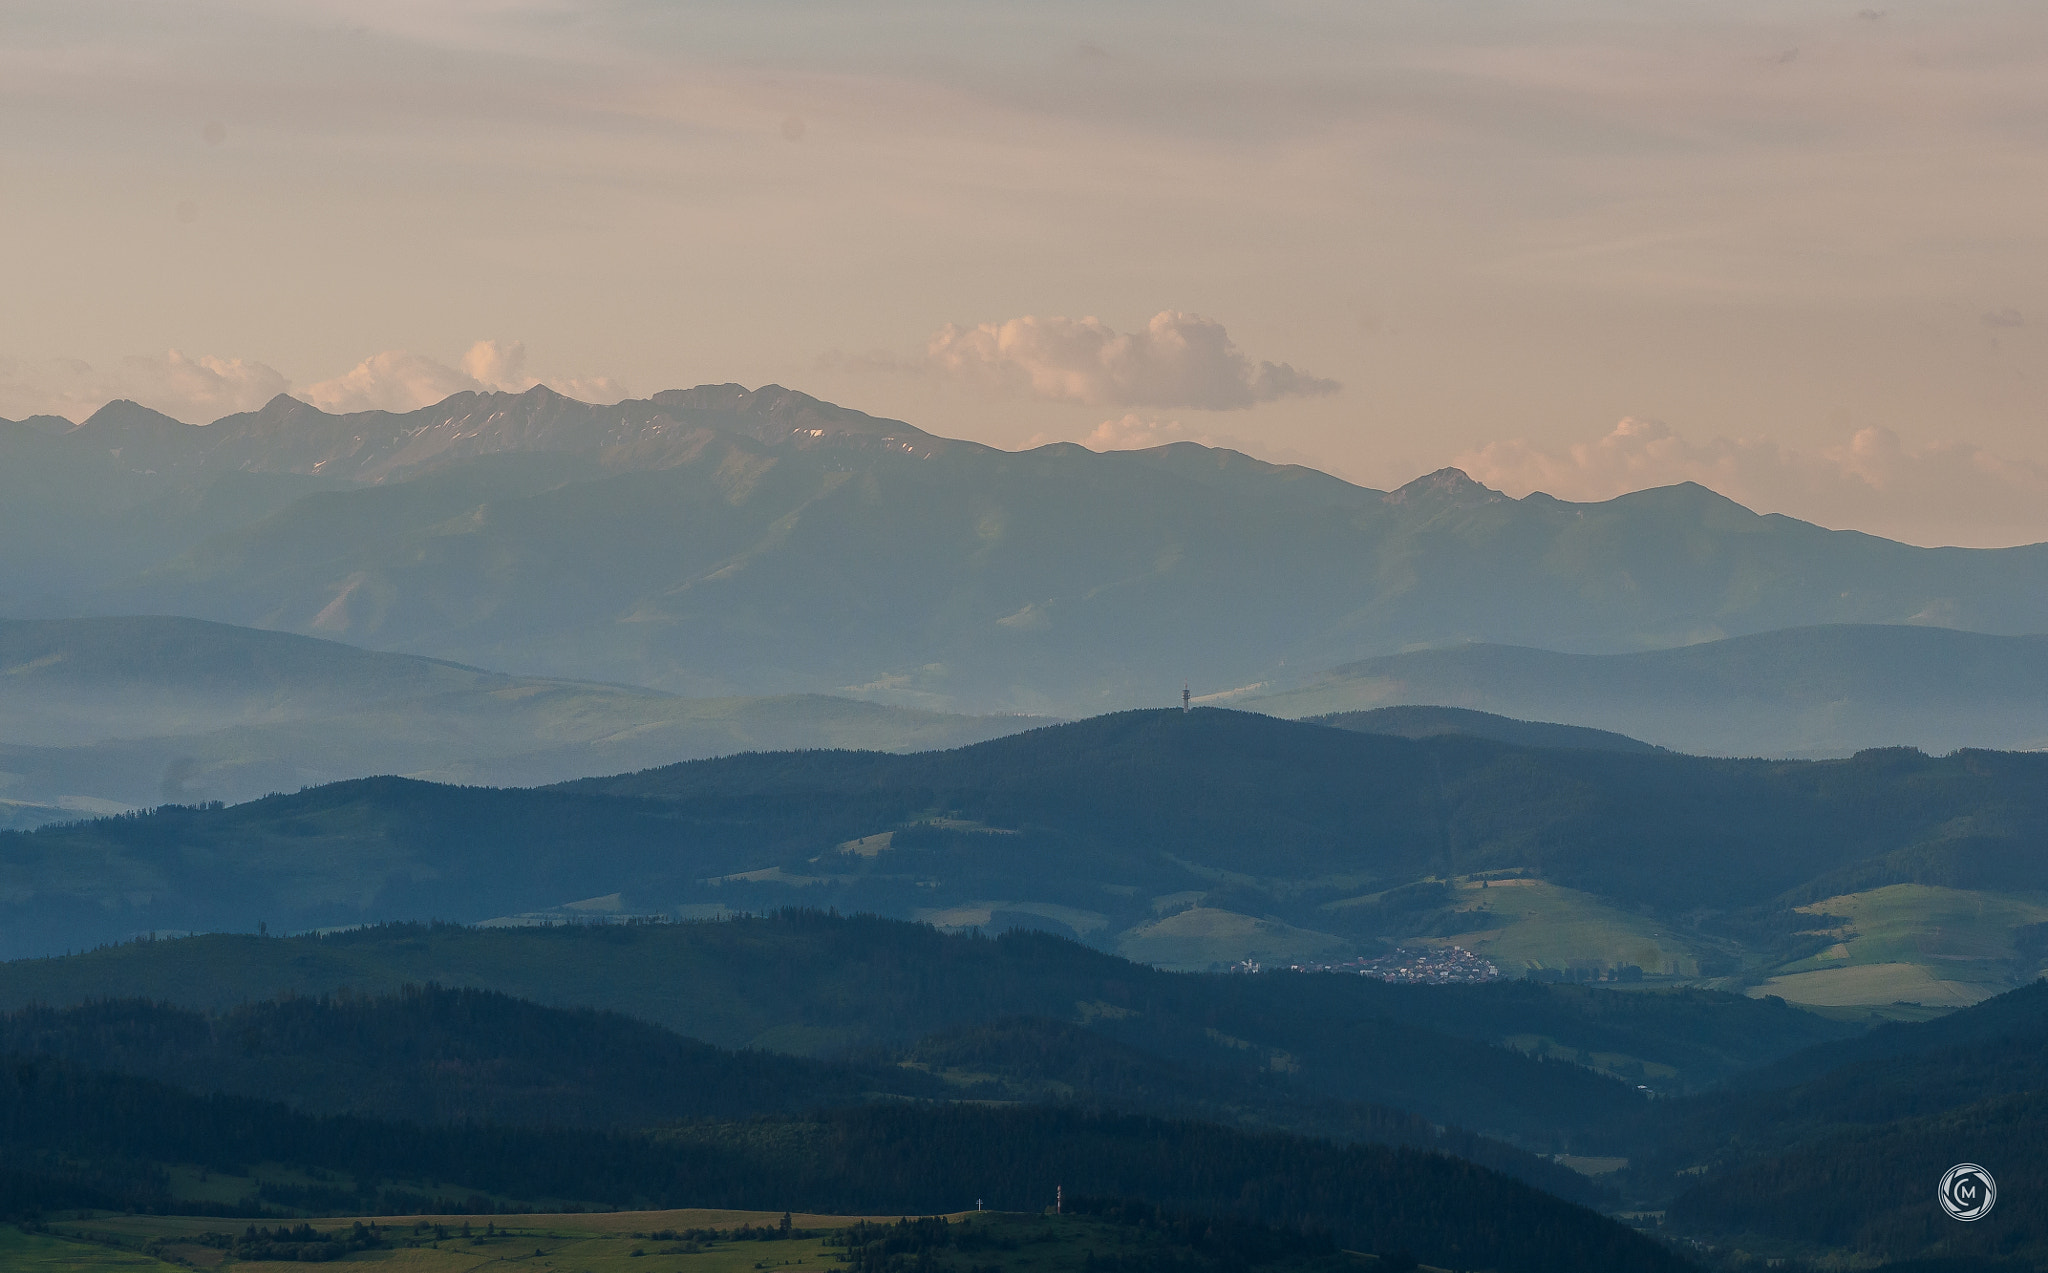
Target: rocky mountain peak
<point>1448,487</point>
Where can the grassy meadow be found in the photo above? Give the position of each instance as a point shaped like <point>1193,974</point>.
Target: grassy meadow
<point>1912,943</point>
<point>684,1241</point>
<point>1523,924</point>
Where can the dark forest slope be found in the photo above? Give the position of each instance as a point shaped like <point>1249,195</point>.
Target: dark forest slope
<point>79,1138</point>
<point>817,984</point>
<point>436,1055</point>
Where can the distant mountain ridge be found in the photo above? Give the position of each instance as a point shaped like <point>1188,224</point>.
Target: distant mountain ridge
<point>1816,691</point>
<point>289,436</point>
<point>1410,721</point>
<point>719,540</point>
<point>98,715</point>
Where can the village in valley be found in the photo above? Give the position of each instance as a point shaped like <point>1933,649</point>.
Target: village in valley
<point>1420,965</point>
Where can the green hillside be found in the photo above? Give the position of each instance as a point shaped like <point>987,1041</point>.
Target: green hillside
<point>1114,1233</point>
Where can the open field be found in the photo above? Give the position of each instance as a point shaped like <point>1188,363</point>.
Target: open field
<point>1869,984</point>
<point>1523,924</point>
<point>1202,938</point>
<point>1912,943</point>
<point>603,1242</point>
<point>47,1253</point>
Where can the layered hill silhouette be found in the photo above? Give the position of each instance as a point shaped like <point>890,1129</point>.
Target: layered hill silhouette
<point>80,1140</point>
<point>1826,690</point>
<point>1837,1147</point>
<point>1256,1050</point>
<point>1417,721</point>
<point>719,541</point>
<point>1186,839</point>
<point>430,1054</point>
<point>101,714</point>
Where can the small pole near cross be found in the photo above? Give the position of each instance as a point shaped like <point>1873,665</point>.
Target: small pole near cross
<point>1059,1199</point>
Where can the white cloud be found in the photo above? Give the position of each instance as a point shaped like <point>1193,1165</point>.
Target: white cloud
<point>399,380</point>
<point>395,380</point>
<point>195,390</point>
<point>201,390</point>
<point>1177,360</point>
<point>1945,492</point>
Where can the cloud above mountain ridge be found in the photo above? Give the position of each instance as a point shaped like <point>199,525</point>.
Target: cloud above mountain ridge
<point>400,380</point>
<point>195,390</point>
<point>1176,360</point>
<point>203,389</point>
<point>1934,492</point>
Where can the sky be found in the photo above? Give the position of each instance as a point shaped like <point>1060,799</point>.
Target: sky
<point>1795,251</point>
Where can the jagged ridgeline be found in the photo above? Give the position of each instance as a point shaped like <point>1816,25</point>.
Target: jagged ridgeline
<point>719,541</point>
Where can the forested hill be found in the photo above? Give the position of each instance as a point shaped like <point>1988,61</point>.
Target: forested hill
<point>1409,721</point>
<point>817,984</point>
<point>1274,799</point>
<point>77,1138</point>
<point>431,1054</point>
<point>1087,822</point>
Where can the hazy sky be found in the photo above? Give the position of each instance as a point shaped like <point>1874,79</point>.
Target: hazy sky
<point>1797,251</point>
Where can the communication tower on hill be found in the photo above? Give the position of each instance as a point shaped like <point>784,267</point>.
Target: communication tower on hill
<point>1183,696</point>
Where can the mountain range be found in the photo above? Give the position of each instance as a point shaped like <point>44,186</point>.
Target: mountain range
<point>720,541</point>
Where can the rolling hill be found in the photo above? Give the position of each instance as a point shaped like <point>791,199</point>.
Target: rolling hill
<point>718,541</point>
<point>1816,691</point>
<point>430,1054</point>
<point>79,1139</point>
<point>1187,839</point>
<point>1266,1048</point>
<point>1838,1148</point>
<point>1432,722</point>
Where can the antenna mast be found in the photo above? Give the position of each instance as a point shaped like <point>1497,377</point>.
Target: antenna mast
<point>1183,696</point>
